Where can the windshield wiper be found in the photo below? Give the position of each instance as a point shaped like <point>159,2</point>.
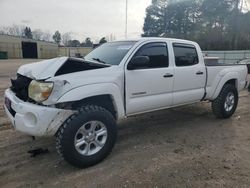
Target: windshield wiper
<point>99,60</point>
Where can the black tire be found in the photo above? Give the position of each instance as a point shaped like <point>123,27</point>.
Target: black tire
<point>65,137</point>
<point>218,105</point>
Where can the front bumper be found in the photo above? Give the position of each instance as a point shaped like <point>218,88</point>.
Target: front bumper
<point>34,119</point>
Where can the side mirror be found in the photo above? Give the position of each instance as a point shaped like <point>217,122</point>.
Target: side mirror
<point>138,62</point>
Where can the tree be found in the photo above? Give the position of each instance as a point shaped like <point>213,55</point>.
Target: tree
<point>171,18</point>
<point>87,43</point>
<point>28,33</point>
<point>74,43</point>
<point>103,40</point>
<point>180,18</point>
<point>66,37</point>
<point>154,20</point>
<point>57,37</point>
<point>214,24</point>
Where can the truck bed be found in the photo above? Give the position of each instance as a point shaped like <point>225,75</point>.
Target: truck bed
<point>215,72</point>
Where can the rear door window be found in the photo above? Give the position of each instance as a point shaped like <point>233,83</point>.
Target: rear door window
<point>185,55</point>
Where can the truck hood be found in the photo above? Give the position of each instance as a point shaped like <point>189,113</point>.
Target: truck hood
<point>42,70</point>
<point>55,67</point>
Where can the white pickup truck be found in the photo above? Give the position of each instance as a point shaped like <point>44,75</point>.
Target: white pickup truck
<point>81,100</point>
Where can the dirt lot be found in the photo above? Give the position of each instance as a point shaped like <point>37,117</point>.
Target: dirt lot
<point>181,147</point>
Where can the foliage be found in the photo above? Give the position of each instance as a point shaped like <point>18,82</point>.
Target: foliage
<point>57,37</point>
<point>28,33</point>
<point>102,40</point>
<point>87,43</point>
<point>74,43</point>
<point>214,24</point>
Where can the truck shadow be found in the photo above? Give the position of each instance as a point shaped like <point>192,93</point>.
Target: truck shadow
<point>188,126</point>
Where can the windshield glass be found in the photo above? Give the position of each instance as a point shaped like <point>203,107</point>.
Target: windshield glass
<point>110,53</point>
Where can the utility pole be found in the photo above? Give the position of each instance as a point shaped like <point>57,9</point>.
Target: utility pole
<point>126,21</point>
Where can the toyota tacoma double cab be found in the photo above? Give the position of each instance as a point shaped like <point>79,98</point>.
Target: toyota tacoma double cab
<point>80,100</point>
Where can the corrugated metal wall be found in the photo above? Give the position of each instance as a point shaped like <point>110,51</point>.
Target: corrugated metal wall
<point>229,56</point>
<point>74,51</point>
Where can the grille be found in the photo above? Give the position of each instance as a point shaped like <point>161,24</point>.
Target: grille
<point>20,86</point>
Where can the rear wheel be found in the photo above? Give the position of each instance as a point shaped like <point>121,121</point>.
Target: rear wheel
<point>87,137</point>
<point>226,103</point>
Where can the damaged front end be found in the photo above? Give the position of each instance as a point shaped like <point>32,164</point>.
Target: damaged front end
<point>33,96</point>
<point>34,119</point>
<point>45,71</point>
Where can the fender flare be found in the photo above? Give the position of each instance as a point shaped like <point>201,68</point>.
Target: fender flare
<point>224,80</point>
<point>93,90</point>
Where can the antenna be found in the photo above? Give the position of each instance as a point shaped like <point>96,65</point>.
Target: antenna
<point>126,21</point>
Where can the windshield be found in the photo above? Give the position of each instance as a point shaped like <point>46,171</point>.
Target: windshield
<point>110,53</point>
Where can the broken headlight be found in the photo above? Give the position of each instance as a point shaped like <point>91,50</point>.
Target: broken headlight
<point>40,91</point>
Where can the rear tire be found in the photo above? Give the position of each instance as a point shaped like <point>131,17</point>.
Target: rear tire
<point>87,137</point>
<point>226,103</point>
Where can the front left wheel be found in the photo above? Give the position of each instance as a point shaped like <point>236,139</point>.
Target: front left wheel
<point>87,137</point>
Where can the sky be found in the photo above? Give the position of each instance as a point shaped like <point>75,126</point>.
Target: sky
<point>83,18</point>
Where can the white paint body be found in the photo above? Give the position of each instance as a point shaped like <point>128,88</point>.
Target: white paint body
<point>157,92</point>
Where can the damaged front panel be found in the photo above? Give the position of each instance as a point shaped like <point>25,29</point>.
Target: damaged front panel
<point>57,121</point>
<point>20,86</point>
<point>76,65</point>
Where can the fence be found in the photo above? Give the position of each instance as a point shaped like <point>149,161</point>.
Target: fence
<point>74,51</point>
<point>229,56</point>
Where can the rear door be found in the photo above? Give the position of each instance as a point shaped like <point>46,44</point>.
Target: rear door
<point>151,87</point>
<point>190,74</point>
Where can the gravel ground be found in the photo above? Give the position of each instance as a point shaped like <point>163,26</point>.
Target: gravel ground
<point>180,147</point>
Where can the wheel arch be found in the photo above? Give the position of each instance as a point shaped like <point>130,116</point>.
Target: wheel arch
<point>230,78</point>
<point>106,101</point>
<point>106,95</point>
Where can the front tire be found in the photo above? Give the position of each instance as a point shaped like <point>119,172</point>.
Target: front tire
<point>87,137</point>
<point>226,103</point>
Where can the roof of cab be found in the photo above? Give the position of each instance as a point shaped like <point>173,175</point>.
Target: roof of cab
<point>144,39</point>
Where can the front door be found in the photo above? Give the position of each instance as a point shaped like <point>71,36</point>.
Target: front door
<point>149,88</point>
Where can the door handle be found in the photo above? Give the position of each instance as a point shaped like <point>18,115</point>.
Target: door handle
<point>199,73</point>
<point>168,75</point>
